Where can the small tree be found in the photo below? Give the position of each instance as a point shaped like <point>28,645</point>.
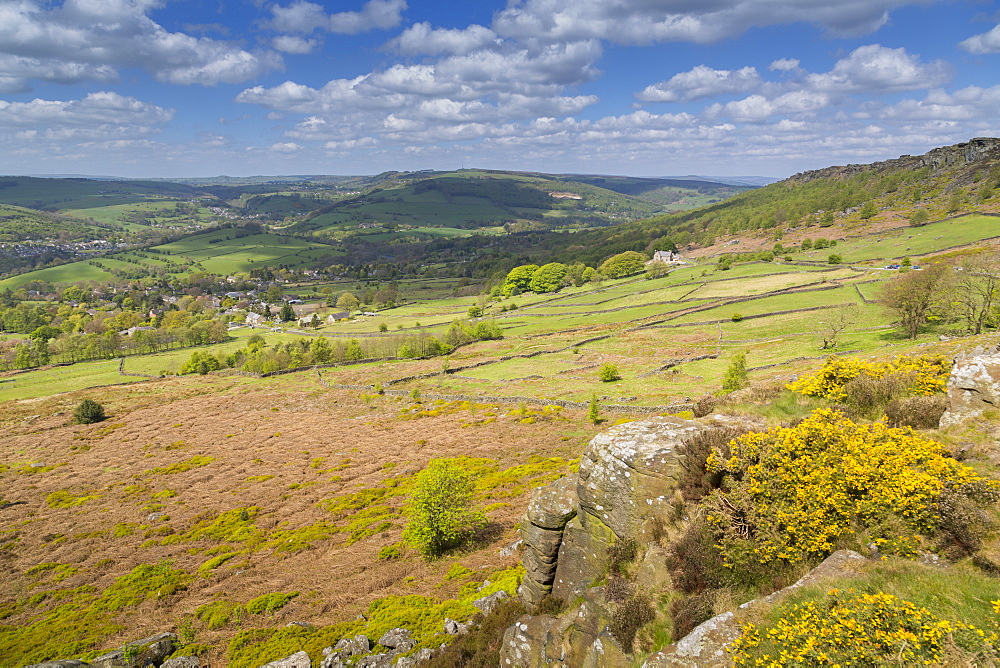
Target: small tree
<point>735,377</point>
<point>868,210</point>
<point>348,302</point>
<point>439,509</point>
<point>841,318</point>
<point>287,313</point>
<point>919,217</point>
<point>88,412</point>
<point>915,295</point>
<point>594,410</point>
<point>608,373</point>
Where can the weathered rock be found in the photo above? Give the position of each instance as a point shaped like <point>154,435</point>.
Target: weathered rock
<point>532,592</point>
<point>543,541</point>
<point>182,662</point>
<point>62,663</point>
<point>552,506</point>
<point>148,651</point>
<point>973,386</point>
<point>583,556</point>
<point>454,628</point>
<point>375,661</point>
<point>652,574</point>
<point>537,567</point>
<point>412,660</point>
<point>488,603</point>
<point>577,638</point>
<point>393,637</point>
<point>359,644</point>
<point>629,472</point>
<point>297,660</point>
<point>512,548</point>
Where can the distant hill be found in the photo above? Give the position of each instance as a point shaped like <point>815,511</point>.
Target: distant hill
<point>946,181</point>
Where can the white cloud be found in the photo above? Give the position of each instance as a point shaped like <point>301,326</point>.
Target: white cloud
<point>293,44</point>
<point>784,65</point>
<point>757,108</point>
<point>421,38</point>
<point>875,68</point>
<point>285,147</point>
<point>91,39</point>
<point>517,83</point>
<point>970,103</point>
<point>17,71</point>
<point>701,82</point>
<point>987,42</point>
<point>98,116</point>
<point>644,22</point>
<point>305,17</point>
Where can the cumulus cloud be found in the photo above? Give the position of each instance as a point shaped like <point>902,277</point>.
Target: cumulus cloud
<point>483,84</point>
<point>305,17</point>
<point>701,82</point>
<point>644,22</point>
<point>972,102</point>
<point>102,115</point>
<point>876,68</point>
<point>421,38</point>
<point>293,44</point>
<point>987,42</point>
<point>90,40</point>
<point>757,108</point>
<point>784,65</point>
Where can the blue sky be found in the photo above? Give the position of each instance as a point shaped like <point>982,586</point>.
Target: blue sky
<point>642,87</point>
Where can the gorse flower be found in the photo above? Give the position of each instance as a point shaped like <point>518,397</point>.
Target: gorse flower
<point>851,629</point>
<point>929,375</point>
<point>791,493</point>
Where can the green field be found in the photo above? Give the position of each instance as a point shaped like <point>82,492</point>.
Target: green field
<point>218,251</point>
<point>912,241</point>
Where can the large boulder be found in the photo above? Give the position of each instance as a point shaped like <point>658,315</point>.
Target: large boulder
<point>297,660</point>
<point>151,651</point>
<point>973,387</point>
<point>628,482</point>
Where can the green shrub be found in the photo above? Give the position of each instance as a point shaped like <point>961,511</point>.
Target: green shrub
<point>688,612</point>
<point>735,377</point>
<point>88,412</point>
<point>439,512</point>
<point>390,552</point>
<point>916,412</point>
<point>628,617</point>
<point>270,602</point>
<point>608,373</point>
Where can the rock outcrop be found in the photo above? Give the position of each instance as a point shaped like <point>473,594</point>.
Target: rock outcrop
<point>151,651</point>
<point>973,387</point>
<point>966,153</point>
<point>626,490</point>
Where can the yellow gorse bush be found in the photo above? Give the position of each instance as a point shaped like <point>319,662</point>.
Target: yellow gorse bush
<point>930,374</point>
<point>851,629</point>
<point>792,493</point>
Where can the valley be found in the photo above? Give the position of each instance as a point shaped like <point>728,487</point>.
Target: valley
<point>248,489</point>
